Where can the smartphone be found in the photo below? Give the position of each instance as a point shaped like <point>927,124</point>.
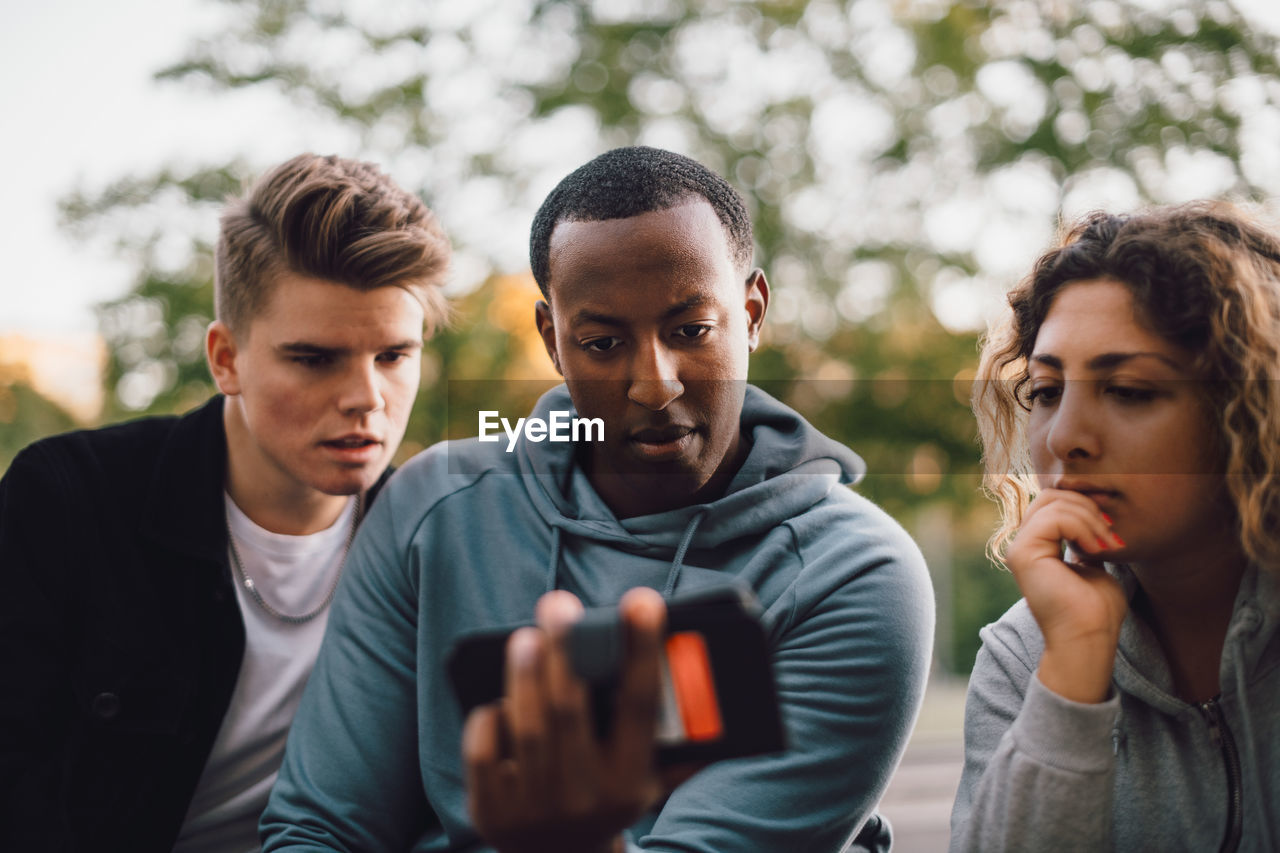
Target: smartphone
<point>718,694</point>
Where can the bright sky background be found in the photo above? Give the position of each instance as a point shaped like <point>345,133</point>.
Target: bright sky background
<point>76,103</point>
<point>78,107</point>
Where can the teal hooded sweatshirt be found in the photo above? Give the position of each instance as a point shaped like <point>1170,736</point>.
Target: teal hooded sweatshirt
<point>468,536</point>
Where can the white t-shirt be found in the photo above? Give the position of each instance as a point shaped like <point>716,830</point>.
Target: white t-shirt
<point>292,574</point>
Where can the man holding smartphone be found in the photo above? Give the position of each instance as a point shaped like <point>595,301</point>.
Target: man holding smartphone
<point>166,582</point>
<point>651,309</point>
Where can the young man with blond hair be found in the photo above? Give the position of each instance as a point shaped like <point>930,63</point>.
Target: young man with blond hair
<point>167,581</point>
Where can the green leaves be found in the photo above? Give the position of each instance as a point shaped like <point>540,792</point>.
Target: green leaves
<point>904,163</point>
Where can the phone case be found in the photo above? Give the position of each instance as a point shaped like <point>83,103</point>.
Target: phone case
<point>719,699</point>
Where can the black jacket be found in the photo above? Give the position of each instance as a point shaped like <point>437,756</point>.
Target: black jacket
<point>120,635</point>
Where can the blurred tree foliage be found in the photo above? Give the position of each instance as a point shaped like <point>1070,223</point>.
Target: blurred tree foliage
<point>39,417</point>
<point>904,161</point>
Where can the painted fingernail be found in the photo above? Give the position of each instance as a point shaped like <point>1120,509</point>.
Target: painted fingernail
<point>1102,543</point>
<point>1116,536</point>
<point>1106,518</point>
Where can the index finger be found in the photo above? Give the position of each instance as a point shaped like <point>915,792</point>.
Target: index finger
<point>526,711</point>
<point>644,615</point>
<point>576,750</point>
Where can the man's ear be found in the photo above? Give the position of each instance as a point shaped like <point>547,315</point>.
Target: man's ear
<point>220,351</point>
<point>757,305</point>
<point>547,329</point>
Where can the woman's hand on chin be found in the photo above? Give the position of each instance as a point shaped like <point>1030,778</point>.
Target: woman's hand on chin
<point>1078,606</point>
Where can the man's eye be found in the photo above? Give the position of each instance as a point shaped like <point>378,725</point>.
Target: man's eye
<point>693,330</point>
<point>312,361</point>
<point>600,344</point>
<point>393,357</point>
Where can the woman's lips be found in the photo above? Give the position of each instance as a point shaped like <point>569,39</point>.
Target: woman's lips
<point>1099,495</point>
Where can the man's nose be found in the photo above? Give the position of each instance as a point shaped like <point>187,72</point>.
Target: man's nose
<point>362,390</point>
<point>654,381</point>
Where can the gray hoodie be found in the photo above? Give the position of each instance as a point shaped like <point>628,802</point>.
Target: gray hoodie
<point>468,536</point>
<point>1141,771</point>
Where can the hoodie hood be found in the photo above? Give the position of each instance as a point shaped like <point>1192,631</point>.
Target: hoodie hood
<point>790,467</point>
<point>1141,668</point>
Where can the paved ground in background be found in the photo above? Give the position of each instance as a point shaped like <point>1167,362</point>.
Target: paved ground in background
<point>918,802</point>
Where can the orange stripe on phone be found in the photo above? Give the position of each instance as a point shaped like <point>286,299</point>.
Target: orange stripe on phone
<point>695,689</point>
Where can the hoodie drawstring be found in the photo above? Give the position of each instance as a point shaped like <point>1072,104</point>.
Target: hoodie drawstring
<point>553,564</point>
<point>553,560</point>
<point>678,563</point>
<point>1246,723</point>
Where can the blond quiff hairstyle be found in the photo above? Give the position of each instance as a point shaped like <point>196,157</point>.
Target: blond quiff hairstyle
<point>1204,276</point>
<point>330,218</point>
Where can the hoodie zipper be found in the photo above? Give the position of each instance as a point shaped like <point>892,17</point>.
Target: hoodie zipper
<point>1221,737</point>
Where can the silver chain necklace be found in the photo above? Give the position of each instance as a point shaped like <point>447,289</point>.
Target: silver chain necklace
<point>252,588</point>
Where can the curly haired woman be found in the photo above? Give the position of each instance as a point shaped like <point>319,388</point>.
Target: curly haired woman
<point>1131,699</point>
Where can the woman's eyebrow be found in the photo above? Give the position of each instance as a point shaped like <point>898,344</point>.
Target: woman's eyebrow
<point>1106,360</point>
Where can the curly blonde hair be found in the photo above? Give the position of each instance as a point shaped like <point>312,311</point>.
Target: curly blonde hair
<point>1204,276</point>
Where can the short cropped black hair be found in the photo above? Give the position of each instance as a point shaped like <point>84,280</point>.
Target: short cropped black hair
<point>627,182</point>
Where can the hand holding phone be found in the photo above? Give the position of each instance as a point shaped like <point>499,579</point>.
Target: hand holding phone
<point>718,698</point>
<point>537,777</point>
